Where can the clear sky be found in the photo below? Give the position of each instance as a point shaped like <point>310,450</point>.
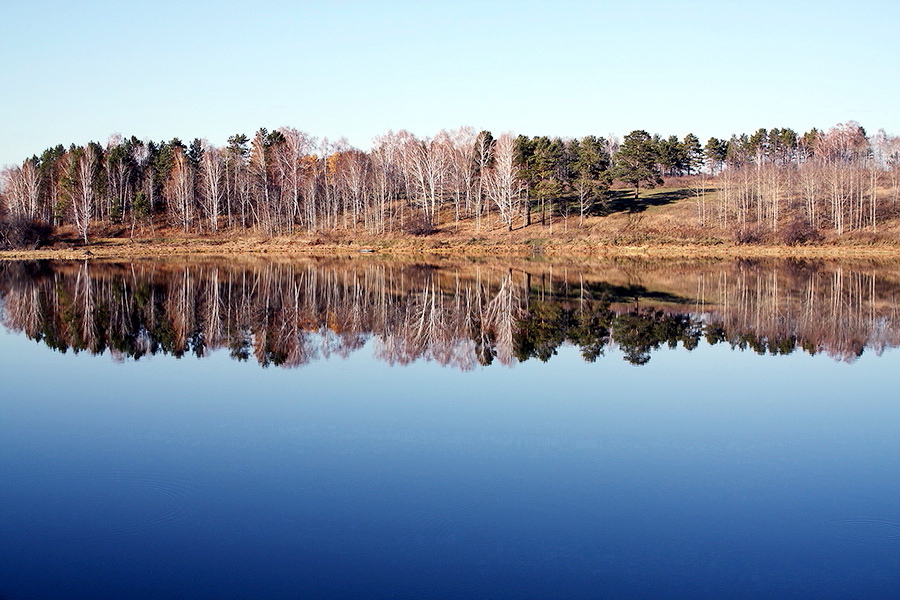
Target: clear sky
<point>77,71</point>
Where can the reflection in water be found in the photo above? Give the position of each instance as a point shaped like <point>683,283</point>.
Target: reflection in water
<point>289,314</point>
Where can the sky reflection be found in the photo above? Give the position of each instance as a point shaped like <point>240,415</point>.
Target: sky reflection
<point>700,474</point>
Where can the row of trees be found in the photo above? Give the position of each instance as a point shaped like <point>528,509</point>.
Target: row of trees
<point>284,181</point>
<point>840,179</point>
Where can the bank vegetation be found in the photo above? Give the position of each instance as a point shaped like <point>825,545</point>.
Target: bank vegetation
<point>770,187</point>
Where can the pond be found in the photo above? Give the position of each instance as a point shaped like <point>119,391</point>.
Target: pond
<point>362,428</point>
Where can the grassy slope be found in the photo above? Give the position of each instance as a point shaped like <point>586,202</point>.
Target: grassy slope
<point>663,223</point>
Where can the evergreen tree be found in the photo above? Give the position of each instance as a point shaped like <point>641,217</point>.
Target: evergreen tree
<point>738,150</point>
<point>51,169</point>
<point>783,144</point>
<point>636,162</point>
<point>591,170</point>
<point>715,152</point>
<point>807,144</point>
<point>758,144</point>
<point>672,156</point>
<point>195,153</point>
<point>693,153</point>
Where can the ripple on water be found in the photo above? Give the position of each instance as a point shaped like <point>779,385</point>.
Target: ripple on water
<point>868,530</point>
<point>91,506</point>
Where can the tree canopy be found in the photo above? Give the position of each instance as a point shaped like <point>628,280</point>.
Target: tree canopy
<point>636,162</point>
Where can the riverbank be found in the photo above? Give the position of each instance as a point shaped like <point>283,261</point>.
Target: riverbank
<point>561,249</point>
<point>665,228</point>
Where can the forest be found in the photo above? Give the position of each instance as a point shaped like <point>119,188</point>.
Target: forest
<point>284,182</point>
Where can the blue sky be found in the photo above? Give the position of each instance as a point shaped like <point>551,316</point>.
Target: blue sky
<point>77,71</point>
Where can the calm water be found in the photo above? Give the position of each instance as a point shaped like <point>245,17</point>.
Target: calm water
<point>361,429</point>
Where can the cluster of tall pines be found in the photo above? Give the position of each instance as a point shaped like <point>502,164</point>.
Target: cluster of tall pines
<point>285,181</point>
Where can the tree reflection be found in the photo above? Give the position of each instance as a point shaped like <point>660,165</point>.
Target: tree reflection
<point>290,314</point>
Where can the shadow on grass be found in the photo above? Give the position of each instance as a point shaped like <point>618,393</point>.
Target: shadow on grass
<point>624,200</point>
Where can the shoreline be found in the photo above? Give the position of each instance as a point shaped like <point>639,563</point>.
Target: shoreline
<point>578,250</point>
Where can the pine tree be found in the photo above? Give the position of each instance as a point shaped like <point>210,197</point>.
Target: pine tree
<point>693,153</point>
<point>636,162</point>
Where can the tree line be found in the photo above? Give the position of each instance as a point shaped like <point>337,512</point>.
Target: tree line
<point>285,181</point>
<point>840,179</point>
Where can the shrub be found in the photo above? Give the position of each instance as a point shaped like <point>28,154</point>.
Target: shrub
<point>747,235</point>
<point>20,232</point>
<point>419,225</point>
<point>799,231</point>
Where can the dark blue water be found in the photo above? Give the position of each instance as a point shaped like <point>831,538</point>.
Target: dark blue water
<point>710,474</point>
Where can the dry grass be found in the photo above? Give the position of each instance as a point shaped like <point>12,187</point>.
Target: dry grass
<point>665,228</point>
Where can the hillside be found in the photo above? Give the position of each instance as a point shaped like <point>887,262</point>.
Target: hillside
<point>663,222</point>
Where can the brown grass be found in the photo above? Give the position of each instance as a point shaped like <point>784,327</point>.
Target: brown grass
<point>666,230</point>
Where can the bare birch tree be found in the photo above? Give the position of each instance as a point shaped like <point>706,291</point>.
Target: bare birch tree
<point>83,190</point>
<point>502,185</point>
<point>180,191</point>
<point>212,178</point>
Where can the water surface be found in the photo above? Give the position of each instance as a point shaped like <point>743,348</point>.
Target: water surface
<point>631,431</point>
